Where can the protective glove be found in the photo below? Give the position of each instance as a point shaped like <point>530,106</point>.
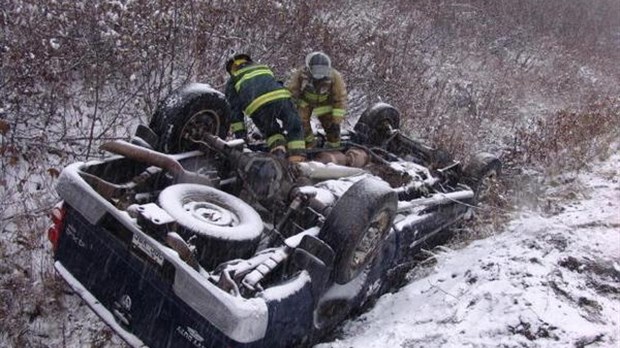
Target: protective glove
<point>242,134</point>
<point>279,151</point>
<point>326,121</point>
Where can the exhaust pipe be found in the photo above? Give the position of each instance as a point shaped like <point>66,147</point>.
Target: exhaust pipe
<point>157,159</point>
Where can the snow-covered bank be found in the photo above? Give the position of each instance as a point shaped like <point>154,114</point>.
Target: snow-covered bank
<point>546,281</point>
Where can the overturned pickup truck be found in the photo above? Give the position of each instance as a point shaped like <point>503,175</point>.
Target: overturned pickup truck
<point>183,239</point>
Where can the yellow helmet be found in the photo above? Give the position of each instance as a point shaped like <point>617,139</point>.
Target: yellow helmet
<point>237,60</point>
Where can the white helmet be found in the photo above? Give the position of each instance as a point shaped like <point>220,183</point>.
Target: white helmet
<point>319,65</point>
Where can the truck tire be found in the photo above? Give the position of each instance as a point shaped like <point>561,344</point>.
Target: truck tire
<point>189,112</point>
<point>222,227</point>
<point>357,225</point>
<point>481,174</point>
<point>372,127</point>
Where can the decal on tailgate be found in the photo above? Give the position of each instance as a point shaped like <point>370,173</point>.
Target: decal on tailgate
<point>75,237</point>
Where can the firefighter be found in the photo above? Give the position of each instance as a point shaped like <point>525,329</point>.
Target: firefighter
<point>319,90</point>
<point>252,90</point>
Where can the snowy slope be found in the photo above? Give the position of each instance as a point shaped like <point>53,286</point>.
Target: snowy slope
<point>546,281</point>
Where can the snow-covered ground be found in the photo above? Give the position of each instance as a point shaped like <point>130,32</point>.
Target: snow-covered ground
<point>546,281</point>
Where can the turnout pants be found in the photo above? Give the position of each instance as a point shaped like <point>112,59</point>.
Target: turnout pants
<point>266,120</point>
<point>330,124</point>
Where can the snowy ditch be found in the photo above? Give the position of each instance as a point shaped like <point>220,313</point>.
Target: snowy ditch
<point>546,281</point>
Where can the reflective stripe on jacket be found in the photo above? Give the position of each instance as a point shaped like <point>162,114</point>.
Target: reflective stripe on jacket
<point>251,87</point>
<point>328,96</point>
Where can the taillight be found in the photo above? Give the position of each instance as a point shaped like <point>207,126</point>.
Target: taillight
<point>53,233</point>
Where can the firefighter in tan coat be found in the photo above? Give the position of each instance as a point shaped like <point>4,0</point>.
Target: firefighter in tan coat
<point>320,91</point>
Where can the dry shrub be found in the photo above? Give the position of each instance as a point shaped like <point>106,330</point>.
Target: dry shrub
<point>546,153</point>
<point>489,216</point>
<point>569,140</point>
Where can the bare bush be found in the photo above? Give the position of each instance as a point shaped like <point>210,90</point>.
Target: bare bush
<point>569,140</point>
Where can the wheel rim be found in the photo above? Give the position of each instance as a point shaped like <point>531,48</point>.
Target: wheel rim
<point>202,122</point>
<point>367,246</point>
<point>211,214</point>
<point>486,185</point>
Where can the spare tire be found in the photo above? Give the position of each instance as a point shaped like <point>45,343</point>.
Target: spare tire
<point>221,226</point>
<point>357,225</point>
<point>373,127</point>
<point>189,112</point>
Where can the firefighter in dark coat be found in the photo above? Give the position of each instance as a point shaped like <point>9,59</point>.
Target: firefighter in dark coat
<point>319,90</point>
<point>252,90</point>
